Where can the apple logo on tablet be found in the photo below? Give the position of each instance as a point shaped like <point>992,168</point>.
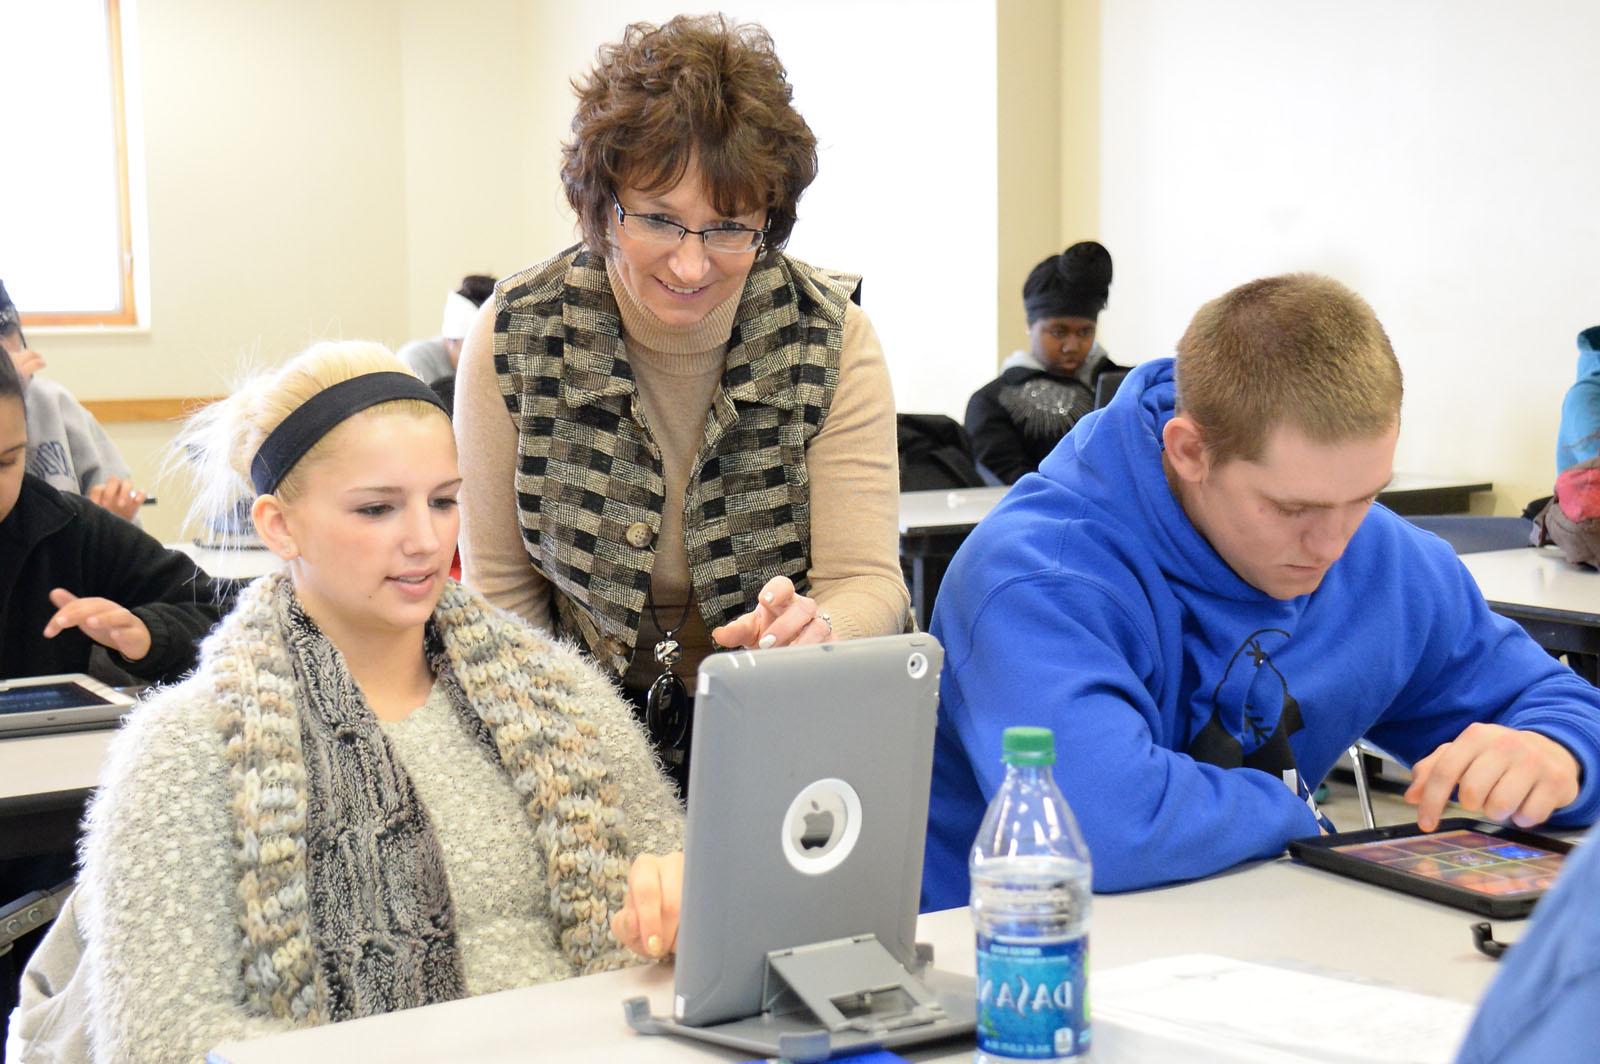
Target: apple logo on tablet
<point>818,830</point>
<point>821,827</point>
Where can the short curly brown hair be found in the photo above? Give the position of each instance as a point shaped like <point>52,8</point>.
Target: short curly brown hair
<point>704,89</point>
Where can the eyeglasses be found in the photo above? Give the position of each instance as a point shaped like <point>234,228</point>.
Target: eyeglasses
<point>654,229</point>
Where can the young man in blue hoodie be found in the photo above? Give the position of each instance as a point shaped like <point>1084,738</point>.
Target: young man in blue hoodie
<point>1196,593</point>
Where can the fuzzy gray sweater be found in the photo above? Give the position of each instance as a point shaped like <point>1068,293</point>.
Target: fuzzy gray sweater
<point>145,963</point>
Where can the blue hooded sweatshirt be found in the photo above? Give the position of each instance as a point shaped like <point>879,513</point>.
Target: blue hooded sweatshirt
<point>1579,439</point>
<point>1088,603</point>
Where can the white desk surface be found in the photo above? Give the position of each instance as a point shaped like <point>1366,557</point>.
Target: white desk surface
<point>965,507</point>
<point>243,564</point>
<point>924,510</point>
<point>1538,578</point>
<point>1276,913</point>
<point>46,764</point>
<point>1424,482</point>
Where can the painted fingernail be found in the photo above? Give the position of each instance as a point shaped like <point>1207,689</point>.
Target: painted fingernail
<point>767,640</point>
<point>653,945</point>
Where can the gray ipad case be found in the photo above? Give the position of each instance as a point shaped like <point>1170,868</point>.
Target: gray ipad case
<point>808,803</point>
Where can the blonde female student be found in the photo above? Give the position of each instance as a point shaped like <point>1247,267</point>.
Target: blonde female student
<point>377,791</point>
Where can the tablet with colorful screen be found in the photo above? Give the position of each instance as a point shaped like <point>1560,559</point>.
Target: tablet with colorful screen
<point>1483,867</point>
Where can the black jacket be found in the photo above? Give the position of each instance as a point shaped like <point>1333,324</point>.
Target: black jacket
<point>1019,417</point>
<point>53,540</point>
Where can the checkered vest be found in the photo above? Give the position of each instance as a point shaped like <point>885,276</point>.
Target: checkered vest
<point>589,484</point>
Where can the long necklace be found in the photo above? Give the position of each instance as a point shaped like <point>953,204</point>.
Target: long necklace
<point>666,711</point>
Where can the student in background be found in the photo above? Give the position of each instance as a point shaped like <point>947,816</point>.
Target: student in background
<point>680,436</point>
<point>67,448</point>
<point>72,576</point>
<point>435,358</point>
<point>377,791</point>
<point>1579,438</point>
<point>1018,418</point>
<point>1199,597</point>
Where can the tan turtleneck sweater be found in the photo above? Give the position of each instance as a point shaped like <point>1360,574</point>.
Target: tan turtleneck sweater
<point>851,462</point>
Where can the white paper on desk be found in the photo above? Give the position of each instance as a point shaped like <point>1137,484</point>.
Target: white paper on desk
<point>1215,1008</point>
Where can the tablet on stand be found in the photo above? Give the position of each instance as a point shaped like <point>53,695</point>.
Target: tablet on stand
<point>808,802</point>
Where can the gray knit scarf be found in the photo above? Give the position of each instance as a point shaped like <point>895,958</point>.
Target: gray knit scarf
<point>345,904</point>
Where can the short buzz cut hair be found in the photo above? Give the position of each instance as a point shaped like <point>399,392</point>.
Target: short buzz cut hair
<point>701,89</point>
<point>1300,349</point>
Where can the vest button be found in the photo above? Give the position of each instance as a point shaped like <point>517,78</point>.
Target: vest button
<point>639,535</point>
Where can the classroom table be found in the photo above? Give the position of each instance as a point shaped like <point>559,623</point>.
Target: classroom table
<point>242,564</point>
<point>1276,912</point>
<point>65,763</point>
<point>933,524</point>
<point>1556,601</point>
<point>45,782</point>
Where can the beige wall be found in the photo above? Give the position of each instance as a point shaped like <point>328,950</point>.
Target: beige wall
<point>1080,123</point>
<point>271,147</point>
<point>1029,89</point>
<point>1048,89</point>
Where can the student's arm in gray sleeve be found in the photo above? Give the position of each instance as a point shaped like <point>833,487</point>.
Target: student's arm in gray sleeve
<point>94,457</point>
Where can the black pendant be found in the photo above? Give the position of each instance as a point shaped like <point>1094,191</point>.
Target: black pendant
<point>667,712</point>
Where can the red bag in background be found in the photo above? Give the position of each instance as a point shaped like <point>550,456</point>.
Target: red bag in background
<point>1571,520</point>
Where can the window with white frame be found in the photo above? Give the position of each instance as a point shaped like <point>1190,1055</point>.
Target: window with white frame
<point>66,247</point>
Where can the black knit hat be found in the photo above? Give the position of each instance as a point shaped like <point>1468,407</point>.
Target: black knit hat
<point>1073,284</point>
<point>10,320</point>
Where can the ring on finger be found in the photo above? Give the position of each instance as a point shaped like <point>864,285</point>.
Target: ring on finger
<point>822,615</point>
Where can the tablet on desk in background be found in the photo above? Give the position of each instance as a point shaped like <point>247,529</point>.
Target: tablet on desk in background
<point>37,705</point>
<point>1483,867</point>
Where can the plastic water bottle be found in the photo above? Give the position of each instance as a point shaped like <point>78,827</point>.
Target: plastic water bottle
<point>1031,892</point>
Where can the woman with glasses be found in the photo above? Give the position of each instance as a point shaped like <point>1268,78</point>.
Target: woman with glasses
<point>676,436</point>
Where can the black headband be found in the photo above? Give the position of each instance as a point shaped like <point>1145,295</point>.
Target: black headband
<point>319,415</point>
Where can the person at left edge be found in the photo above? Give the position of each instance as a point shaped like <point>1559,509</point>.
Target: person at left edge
<point>675,426</point>
<point>73,575</point>
<point>67,447</point>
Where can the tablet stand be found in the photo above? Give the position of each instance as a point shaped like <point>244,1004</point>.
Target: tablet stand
<point>825,998</point>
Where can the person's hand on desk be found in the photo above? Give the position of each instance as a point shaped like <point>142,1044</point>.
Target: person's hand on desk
<point>782,618</point>
<point>648,920</point>
<point>1503,773</point>
<point>116,495</point>
<point>100,619</point>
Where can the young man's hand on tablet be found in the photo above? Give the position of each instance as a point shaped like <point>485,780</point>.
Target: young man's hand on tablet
<point>648,921</point>
<point>1504,773</point>
<point>100,619</point>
